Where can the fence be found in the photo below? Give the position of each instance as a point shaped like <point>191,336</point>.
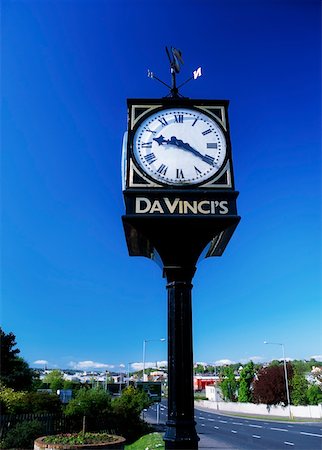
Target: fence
<point>54,423</point>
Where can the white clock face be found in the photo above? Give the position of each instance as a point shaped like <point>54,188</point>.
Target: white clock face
<point>179,146</point>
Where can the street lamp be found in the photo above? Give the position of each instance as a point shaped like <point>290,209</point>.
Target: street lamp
<point>285,372</point>
<point>144,351</point>
<point>122,366</point>
<point>128,372</point>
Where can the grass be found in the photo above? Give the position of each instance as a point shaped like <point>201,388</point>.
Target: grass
<point>152,441</point>
<point>262,417</point>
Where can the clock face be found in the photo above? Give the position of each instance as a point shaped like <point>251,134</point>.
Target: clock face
<point>179,146</point>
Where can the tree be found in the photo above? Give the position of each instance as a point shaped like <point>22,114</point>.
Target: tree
<point>15,372</point>
<point>131,402</point>
<point>314,395</point>
<point>245,382</point>
<point>9,400</point>
<point>90,403</point>
<point>301,367</point>
<point>269,388</point>
<point>199,368</point>
<point>41,403</point>
<point>229,385</point>
<point>299,389</point>
<point>55,380</point>
<point>13,402</point>
<point>126,412</point>
<point>73,385</point>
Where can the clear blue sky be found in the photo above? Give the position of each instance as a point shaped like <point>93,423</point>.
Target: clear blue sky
<point>70,292</point>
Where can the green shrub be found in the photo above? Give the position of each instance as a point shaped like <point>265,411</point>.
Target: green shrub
<point>13,402</point>
<point>22,435</point>
<point>314,395</point>
<point>10,400</point>
<point>126,413</point>
<point>41,403</point>
<point>131,402</point>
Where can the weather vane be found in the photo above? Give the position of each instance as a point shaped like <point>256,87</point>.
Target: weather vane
<point>175,59</point>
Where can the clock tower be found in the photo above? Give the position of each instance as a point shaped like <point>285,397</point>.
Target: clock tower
<point>180,201</point>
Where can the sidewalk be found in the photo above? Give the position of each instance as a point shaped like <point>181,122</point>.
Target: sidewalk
<point>205,440</point>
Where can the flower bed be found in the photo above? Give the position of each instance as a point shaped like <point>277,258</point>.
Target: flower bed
<point>88,441</point>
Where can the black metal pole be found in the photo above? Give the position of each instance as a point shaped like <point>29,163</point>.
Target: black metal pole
<point>180,426</point>
<point>174,89</point>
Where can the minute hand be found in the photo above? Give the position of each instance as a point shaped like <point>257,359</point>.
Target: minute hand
<point>208,159</point>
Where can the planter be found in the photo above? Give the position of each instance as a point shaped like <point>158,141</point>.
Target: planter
<point>117,443</point>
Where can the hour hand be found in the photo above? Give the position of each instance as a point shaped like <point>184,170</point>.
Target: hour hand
<point>172,141</point>
<point>160,140</point>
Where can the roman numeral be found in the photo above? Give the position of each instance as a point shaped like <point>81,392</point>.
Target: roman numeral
<point>211,145</point>
<point>209,160</point>
<point>162,170</point>
<point>179,173</point>
<point>150,131</point>
<point>195,121</point>
<point>198,172</point>
<point>146,144</point>
<point>150,158</point>
<point>206,132</point>
<point>178,118</point>
<point>163,121</point>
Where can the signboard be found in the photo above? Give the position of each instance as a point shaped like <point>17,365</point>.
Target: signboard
<point>213,204</point>
<point>65,395</point>
<point>152,388</point>
<point>115,388</point>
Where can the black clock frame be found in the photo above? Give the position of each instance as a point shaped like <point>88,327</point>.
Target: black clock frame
<point>166,103</point>
<point>183,104</point>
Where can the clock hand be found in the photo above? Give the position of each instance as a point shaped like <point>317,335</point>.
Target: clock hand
<point>160,140</point>
<point>185,146</point>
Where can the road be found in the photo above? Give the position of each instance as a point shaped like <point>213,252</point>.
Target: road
<point>217,431</point>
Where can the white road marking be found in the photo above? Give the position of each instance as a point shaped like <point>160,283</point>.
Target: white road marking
<point>237,423</point>
<point>288,443</point>
<point>256,436</point>
<point>211,420</point>
<point>255,426</point>
<point>278,429</point>
<point>223,421</point>
<point>202,418</point>
<point>311,434</point>
<point>233,431</point>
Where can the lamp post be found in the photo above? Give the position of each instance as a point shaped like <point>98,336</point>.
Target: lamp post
<point>285,373</point>
<point>128,372</point>
<point>120,387</point>
<point>144,351</point>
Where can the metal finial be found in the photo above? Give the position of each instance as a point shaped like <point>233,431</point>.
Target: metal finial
<point>175,59</point>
